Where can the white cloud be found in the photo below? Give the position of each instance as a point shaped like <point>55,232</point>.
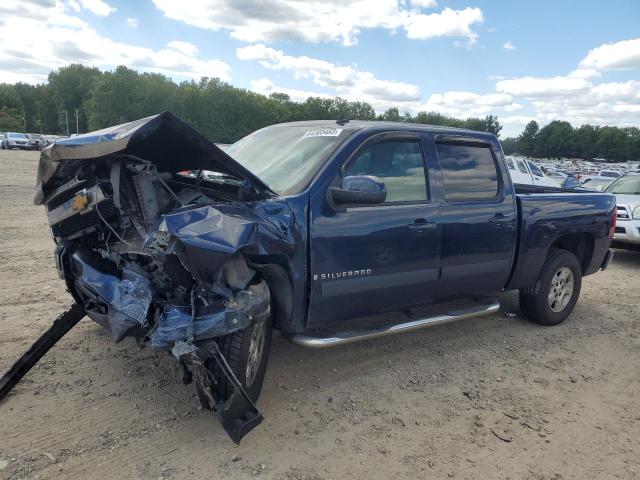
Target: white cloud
<point>462,104</point>
<point>578,97</point>
<point>534,87</point>
<point>448,23</point>
<point>133,22</point>
<point>621,91</point>
<point>98,7</point>
<point>57,37</point>
<point>508,46</point>
<point>610,56</point>
<point>424,3</point>
<point>186,48</point>
<point>346,81</point>
<point>321,20</point>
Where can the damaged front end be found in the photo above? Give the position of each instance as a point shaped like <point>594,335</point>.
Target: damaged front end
<point>160,236</point>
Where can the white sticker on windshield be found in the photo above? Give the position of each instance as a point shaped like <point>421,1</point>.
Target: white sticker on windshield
<point>322,132</point>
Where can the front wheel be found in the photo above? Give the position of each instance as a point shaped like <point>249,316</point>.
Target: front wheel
<point>247,353</point>
<point>551,298</point>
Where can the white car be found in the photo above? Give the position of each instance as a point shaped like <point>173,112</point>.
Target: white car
<point>596,182</point>
<point>627,192</point>
<point>528,173</point>
<point>16,140</point>
<point>610,173</point>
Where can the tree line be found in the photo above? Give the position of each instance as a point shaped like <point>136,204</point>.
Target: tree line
<point>559,139</point>
<point>80,98</point>
<point>77,98</point>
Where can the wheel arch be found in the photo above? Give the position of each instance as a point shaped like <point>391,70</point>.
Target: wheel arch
<point>271,269</point>
<point>580,244</point>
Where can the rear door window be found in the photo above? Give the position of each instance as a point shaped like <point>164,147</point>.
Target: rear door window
<point>468,171</point>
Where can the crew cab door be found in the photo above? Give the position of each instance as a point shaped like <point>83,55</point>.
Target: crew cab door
<point>373,259</point>
<point>478,218</point>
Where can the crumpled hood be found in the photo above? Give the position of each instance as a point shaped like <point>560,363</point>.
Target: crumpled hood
<point>164,139</point>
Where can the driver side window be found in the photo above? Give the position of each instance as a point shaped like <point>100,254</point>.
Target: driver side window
<point>397,163</point>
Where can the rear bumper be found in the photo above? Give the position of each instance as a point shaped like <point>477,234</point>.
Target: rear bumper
<point>607,259</point>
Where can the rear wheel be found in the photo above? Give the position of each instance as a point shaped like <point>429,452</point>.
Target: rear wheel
<point>551,298</point>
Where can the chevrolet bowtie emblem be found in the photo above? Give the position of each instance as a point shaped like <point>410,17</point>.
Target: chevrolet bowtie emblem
<point>80,201</point>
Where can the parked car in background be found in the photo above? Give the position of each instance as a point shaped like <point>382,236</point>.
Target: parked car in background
<point>571,182</point>
<point>596,183</point>
<point>16,140</point>
<point>36,141</point>
<point>610,173</point>
<point>627,192</point>
<point>525,172</point>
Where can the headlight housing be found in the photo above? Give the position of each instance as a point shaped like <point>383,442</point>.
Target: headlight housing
<point>636,213</point>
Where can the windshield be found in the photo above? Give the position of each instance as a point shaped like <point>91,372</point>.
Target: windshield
<point>286,157</point>
<point>17,135</point>
<point>629,185</point>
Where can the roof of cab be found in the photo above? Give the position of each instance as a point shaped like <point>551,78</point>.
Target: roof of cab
<point>387,125</point>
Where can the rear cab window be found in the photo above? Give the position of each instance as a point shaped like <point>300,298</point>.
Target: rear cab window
<point>469,172</point>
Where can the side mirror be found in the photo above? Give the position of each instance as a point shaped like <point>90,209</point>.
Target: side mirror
<point>359,190</point>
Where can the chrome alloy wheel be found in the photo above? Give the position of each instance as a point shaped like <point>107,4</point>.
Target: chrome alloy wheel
<point>256,346</point>
<point>561,289</point>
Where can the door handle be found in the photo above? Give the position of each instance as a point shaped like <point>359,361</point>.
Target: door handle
<point>499,219</point>
<point>422,225</point>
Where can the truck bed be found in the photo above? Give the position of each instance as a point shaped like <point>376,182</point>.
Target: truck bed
<point>548,215</point>
<point>524,189</point>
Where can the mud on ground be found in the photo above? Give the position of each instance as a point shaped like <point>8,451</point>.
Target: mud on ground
<point>491,398</point>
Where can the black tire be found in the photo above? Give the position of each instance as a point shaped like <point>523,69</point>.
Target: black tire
<point>535,301</point>
<point>235,348</point>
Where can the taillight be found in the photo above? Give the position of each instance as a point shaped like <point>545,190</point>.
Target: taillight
<point>612,230</point>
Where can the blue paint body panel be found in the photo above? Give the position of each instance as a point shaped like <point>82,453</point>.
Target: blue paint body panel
<point>367,260</point>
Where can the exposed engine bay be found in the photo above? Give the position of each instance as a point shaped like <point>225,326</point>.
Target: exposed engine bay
<point>167,255</point>
<point>122,221</point>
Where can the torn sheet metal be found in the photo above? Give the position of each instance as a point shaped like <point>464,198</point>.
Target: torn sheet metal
<point>237,414</point>
<point>153,248</point>
<point>212,234</point>
<point>118,304</point>
<point>169,142</point>
<point>251,304</point>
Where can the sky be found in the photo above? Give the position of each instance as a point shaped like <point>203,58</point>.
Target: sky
<point>522,60</point>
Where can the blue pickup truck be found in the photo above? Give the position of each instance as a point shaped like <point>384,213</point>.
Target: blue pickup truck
<point>329,232</point>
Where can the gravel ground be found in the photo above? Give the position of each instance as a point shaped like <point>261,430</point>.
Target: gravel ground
<point>495,398</point>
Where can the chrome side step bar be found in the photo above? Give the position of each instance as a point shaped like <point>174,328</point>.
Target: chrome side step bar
<point>344,338</point>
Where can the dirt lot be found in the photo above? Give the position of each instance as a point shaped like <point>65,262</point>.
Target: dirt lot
<point>491,398</point>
